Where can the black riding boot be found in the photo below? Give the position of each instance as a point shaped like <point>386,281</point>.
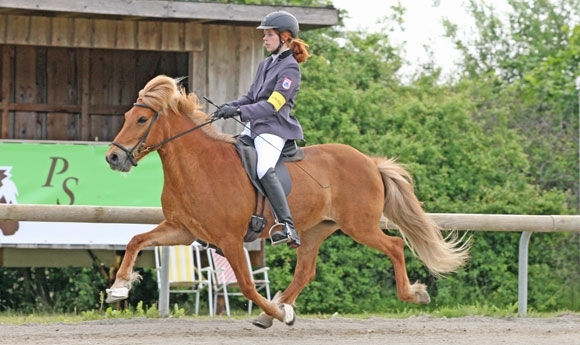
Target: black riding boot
<point>277,198</point>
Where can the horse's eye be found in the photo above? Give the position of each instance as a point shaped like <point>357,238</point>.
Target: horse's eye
<point>142,119</point>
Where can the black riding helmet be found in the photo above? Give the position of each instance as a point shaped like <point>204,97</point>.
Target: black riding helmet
<point>282,21</point>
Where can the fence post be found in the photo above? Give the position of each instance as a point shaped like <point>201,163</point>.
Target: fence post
<point>164,285</point>
<point>523,273</point>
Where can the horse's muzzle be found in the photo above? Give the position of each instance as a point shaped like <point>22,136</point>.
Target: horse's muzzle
<point>118,161</point>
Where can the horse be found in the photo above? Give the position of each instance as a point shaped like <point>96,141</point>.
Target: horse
<point>208,196</point>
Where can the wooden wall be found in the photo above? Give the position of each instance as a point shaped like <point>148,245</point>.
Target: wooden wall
<point>100,33</point>
<point>74,78</point>
<point>75,94</point>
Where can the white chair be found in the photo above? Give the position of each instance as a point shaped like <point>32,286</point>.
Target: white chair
<point>224,279</point>
<point>186,273</point>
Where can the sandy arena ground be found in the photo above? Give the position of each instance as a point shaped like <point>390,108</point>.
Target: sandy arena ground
<point>562,330</point>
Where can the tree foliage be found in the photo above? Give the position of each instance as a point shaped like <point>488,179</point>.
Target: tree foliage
<point>472,146</point>
<point>533,56</point>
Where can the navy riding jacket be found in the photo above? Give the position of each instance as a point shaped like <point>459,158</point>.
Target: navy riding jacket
<point>268,103</point>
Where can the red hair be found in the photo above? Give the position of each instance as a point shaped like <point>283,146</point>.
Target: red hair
<point>298,46</point>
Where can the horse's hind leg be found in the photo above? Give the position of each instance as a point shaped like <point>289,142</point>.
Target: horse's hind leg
<point>163,234</point>
<point>305,269</point>
<point>393,247</point>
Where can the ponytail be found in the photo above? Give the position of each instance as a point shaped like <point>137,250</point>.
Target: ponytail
<point>299,47</point>
<point>299,50</point>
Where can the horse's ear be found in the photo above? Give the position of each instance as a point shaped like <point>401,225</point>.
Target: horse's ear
<point>178,80</point>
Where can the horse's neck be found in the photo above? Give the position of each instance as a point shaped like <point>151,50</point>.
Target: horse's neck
<point>196,157</point>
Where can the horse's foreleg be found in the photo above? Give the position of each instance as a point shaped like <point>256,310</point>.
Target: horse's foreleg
<point>236,257</point>
<point>163,234</point>
<point>305,270</point>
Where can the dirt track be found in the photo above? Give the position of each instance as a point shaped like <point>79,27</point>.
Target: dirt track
<point>415,330</point>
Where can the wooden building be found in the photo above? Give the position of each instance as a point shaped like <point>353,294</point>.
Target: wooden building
<point>69,70</point>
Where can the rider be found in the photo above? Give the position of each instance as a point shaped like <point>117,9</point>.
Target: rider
<point>266,109</point>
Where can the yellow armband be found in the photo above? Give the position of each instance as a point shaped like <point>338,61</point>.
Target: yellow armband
<point>277,100</point>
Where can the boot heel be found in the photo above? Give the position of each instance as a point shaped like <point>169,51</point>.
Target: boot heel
<point>281,210</point>
<point>284,236</point>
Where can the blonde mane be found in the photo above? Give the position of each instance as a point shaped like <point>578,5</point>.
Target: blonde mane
<point>163,93</point>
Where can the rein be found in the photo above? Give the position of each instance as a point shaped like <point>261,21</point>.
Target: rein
<point>140,145</point>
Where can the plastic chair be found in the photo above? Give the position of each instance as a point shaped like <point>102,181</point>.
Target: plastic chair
<point>186,273</point>
<point>224,279</point>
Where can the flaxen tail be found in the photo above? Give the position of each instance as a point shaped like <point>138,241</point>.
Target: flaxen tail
<point>440,254</point>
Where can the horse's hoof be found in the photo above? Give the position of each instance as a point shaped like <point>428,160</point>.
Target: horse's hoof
<point>263,321</point>
<point>423,297</point>
<point>117,294</point>
<point>289,314</point>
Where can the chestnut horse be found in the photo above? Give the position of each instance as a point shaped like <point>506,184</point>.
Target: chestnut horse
<point>208,196</point>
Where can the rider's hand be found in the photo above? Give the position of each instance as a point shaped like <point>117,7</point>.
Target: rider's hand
<point>227,111</point>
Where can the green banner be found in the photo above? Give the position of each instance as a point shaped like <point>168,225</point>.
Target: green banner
<point>74,174</point>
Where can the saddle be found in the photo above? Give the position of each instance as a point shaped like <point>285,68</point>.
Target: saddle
<point>290,153</point>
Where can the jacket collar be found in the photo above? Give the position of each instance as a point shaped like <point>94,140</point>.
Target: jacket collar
<point>282,55</point>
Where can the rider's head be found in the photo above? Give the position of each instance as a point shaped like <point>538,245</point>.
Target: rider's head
<point>281,21</point>
<point>284,24</point>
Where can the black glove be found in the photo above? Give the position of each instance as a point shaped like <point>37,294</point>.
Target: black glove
<point>226,111</point>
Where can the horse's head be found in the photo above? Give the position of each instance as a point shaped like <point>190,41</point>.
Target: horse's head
<point>130,145</point>
<point>139,131</point>
<point>146,128</point>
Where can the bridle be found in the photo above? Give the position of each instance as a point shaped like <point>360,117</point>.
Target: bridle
<point>140,145</point>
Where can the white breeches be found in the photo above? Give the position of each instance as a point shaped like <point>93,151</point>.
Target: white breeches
<point>269,148</point>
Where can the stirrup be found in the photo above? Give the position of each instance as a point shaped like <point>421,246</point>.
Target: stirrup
<point>287,237</point>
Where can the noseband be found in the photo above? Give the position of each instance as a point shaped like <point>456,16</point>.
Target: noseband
<point>138,148</point>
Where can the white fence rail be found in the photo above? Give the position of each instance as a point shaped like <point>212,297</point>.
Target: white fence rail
<point>526,224</point>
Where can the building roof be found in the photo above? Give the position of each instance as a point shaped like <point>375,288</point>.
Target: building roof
<point>188,11</point>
